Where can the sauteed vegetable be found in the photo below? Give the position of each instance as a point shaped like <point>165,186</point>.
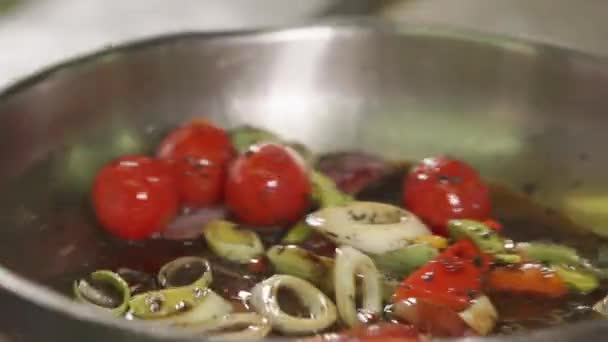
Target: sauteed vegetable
<point>283,242</point>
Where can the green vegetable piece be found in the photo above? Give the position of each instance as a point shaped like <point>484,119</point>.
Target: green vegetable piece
<point>167,302</point>
<point>325,192</point>
<point>578,280</point>
<point>301,263</point>
<point>231,243</point>
<point>550,252</point>
<point>403,261</point>
<point>299,233</point>
<point>486,238</point>
<point>170,301</point>
<point>245,136</point>
<point>105,289</point>
<point>508,258</point>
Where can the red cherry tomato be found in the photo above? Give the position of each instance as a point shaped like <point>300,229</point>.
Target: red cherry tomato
<point>440,189</point>
<point>199,153</point>
<point>134,196</point>
<point>268,185</point>
<point>453,279</point>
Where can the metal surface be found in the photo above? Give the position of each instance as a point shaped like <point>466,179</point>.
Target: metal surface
<point>519,112</point>
<point>36,33</point>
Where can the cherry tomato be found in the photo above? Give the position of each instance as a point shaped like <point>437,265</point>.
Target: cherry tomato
<point>453,279</point>
<point>134,197</point>
<point>440,189</point>
<point>199,153</point>
<point>268,185</point>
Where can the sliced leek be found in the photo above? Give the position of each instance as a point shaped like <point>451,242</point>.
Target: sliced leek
<point>349,264</point>
<point>265,300</point>
<point>96,291</point>
<point>231,243</point>
<point>325,192</point>
<point>302,263</point>
<point>172,300</point>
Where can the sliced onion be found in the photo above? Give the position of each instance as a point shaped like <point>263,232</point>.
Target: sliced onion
<point>93,291</point>
<point>254,326</point>
<point>189,226</point>
<point>265,299</point>
<point>350,263</point>
<point>481,316</point>
<point>368,226</point>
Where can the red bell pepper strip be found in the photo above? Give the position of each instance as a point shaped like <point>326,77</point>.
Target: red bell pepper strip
<point>453,279</point>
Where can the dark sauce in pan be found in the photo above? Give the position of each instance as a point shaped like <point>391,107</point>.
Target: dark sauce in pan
<point>522,220</point>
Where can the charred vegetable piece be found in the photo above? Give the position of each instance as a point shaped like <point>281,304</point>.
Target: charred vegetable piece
<point>532,279</point>
<point>299,233</point>
<point>104,289</point>
<point>481,316</point>
<point>452,279</point>
<point>175,299</point>
<point>325,192</point>
<point>578,280</point>
<point>244,136</point>
<point>265,299</point>
<point>231,243</point>
<point>371,227</point>
<point>403,261</point>
<point>301,263</point>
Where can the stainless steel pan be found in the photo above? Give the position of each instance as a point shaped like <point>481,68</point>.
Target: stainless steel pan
<point>523,113</point>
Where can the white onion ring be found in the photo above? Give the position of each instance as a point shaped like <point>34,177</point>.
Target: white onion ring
<point>264,298</point>
<point>370,227</point>
<point>350,263</point>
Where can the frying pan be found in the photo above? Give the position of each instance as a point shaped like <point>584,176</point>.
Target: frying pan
<point>529,115</point>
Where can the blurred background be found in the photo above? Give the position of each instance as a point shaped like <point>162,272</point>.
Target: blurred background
<point>35,33</point>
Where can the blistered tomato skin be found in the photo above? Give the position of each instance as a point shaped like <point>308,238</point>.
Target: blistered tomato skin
<point>268,185</point>
<point>135,197</point>
<point>199,153</point>
<point>440,189</point>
